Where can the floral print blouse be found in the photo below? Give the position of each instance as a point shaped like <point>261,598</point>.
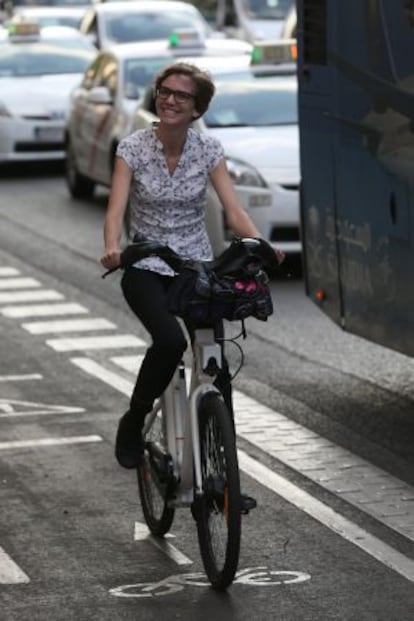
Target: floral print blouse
<point>166,207</point>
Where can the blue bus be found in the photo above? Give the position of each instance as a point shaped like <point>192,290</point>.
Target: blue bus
<point>356,116</point>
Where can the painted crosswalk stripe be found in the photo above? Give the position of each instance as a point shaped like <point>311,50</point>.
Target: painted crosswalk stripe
<point>129,363</point>
<point>44,310</point>
<point>96,342</point>
<point>68,325</point>
<point>95,369</point>
<point>20,378</point>
<point>8,271</point>
<point>16,444</point>
<point>19,283</point>
<point>30,296</point>
<point>10,573</point>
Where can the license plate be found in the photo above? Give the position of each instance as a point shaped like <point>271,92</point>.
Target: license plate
<point>49,134</point>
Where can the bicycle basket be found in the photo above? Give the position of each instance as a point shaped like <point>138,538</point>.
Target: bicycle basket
<point>201,296</point>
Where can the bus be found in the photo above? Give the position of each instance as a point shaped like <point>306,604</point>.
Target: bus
<point>356,120</point>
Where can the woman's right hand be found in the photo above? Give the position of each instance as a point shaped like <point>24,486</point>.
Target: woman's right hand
<point>111,259</point>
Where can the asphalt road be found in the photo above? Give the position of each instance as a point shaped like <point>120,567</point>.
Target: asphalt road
<point>324,430</point>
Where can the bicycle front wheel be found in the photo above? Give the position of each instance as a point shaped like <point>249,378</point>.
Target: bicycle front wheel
<point>154,478</point>
<point>218,511</point>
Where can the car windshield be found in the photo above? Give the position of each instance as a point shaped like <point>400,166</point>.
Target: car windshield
<point>267,9</point>
<point>253,101</point>
<point>41,59</point>
<point>148,25</point>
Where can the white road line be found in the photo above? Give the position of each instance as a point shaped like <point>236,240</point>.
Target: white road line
<point>14,407</point>
<point>97,370</point>
<point>19,283</point>
<point>328,517</point>
<point>96,342</point>
<point>129,363</point>
<point>20,378</point>
<point>44,310</point>
<point>10,573</point>
<point>9,271</point>
<point>141,533</point>
<point>30,296</point>
<point>16,444</point>
<point>68,325</point>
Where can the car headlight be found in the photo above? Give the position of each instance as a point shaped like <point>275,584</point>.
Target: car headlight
<point>3,110</point>
<point>244,174</point>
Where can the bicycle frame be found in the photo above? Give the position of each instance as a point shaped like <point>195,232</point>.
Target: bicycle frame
<point>180,406</point>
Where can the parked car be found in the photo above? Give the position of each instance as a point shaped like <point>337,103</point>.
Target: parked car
<point>109,23</point>
<point>38,70</point>
<point>252,20</point>
<point>101,114</point>
<point>49,15</point>
<point>254,115</point>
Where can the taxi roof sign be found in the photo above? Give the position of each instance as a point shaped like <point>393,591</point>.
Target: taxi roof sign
<point>274,52</point>
<point>185,37</point>
<point>23,31</point>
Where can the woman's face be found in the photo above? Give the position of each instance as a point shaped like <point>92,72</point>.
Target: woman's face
<point>174,102</point>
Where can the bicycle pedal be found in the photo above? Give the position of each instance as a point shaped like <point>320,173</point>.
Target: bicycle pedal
<point>247,503</point>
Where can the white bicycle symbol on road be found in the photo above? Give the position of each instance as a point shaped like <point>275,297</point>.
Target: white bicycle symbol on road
<point>252,576</point>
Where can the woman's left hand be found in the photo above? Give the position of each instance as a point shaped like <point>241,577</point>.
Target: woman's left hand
<point>280,255</point>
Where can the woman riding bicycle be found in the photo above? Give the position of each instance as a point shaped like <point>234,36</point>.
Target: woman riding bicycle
<point>163,172</point>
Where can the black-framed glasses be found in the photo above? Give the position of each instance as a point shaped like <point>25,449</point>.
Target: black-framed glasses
<point>163,92</point>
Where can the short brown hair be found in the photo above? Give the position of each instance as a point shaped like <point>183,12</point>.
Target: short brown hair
<point>204,85</point>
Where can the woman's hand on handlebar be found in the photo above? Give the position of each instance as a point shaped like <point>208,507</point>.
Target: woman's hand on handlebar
<point>280,255</point>
<point>112,258</point>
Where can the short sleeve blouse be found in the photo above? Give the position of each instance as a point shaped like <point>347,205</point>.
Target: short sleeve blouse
<point>165,207</point>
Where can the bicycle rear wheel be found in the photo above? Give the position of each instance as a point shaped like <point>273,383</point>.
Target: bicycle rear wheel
<point>218,511</point>
<point>154,478</point>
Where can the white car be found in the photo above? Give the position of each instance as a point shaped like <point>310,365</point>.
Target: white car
<point>50,15</point>
<point>37,75</point>
<point>109,23</point>
<point>252,20</point>
<point>101,114</point>
<point>254,115</point>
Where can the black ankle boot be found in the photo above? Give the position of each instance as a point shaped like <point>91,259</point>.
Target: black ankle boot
<point>129,445</point>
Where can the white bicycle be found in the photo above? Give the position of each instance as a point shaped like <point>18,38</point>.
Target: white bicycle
<point>190,456</point>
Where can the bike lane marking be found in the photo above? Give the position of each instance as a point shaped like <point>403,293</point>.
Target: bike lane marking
<point>250,576</point>
<point>10,573</point>
<point>328,517</point>
<point>16,407</point>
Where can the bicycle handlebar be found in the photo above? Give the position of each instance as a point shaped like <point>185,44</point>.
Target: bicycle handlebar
<point>241,252</point>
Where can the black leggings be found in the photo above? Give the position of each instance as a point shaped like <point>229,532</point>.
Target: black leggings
<point>146,294</point>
